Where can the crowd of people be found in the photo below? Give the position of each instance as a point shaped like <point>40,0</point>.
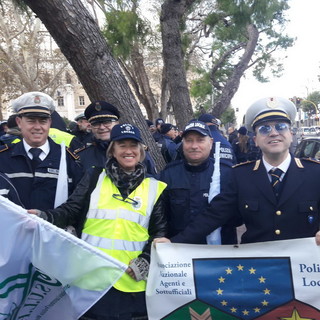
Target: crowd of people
<point>99,182</point>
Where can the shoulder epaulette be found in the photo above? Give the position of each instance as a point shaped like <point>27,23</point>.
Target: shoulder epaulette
<point>4,148</point>
<point>306,159</point>
<point>73,155</point>
<point>79,149</point>
<point>242,163</point>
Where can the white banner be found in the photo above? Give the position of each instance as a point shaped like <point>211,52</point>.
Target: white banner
<point>46,273</point>
<point>277,280</point>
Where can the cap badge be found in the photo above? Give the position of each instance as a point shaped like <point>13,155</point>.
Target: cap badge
<point>128,128</point>
<point>98,106</point>
<point>37,100</point>
<point>272,103</point>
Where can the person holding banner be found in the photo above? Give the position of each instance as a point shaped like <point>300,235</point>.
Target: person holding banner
<point>191,180</point>
<point>43,172</point>
<point>118,209</point>
<point>273,204</point>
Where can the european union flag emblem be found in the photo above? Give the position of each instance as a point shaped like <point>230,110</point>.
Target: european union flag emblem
<point>244,287</point>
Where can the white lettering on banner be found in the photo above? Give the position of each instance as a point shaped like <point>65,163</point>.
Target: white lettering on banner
<point>277,279</point>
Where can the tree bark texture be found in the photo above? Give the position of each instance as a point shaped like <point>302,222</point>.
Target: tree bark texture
<point>80,40</point>
<point>233,82</point>
<point>141,76</point>
<point>172,12</point>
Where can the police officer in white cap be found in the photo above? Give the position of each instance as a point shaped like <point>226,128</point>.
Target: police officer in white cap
<point>276,197</point>
<point>34,164</point>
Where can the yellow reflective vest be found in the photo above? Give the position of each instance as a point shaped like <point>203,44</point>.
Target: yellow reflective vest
<point>59,136</point>
<point>16,140</point>
<point>120,228</point>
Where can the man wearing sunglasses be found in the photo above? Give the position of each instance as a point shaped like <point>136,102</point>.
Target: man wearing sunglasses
<point>273,204</point>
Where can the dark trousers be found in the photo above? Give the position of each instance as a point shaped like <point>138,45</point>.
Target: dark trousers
<point>118,305</point>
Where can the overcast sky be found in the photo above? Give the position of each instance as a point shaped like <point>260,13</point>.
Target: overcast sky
<point>302,63</point>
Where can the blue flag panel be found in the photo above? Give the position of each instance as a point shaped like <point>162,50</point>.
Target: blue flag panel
<point>244,287</point>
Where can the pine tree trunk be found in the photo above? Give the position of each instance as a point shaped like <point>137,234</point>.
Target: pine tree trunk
<point>80,40</point>
<point>172,12</point>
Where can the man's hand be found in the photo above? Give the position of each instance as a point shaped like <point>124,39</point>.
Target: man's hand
<point>39,213</point>
<point>318,238</point>
<point>34,211</point>
<point>161,240</point>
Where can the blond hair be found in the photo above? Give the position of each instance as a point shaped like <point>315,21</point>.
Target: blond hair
<point>141,146</point>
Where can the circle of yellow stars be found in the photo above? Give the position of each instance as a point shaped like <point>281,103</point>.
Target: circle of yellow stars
<point>245,312</point>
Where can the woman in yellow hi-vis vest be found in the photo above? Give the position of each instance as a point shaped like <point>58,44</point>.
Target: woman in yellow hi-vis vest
<point>122,213</point>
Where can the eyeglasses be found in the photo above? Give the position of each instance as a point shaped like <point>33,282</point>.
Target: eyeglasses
<point>107,123</point>
<point>127,200</point>
<point>279,127</point>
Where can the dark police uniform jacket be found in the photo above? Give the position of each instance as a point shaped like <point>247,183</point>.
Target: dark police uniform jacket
<point>37,191</point>
<point>226,151</point>
<point>168,148</point>
<point>93,155</point>
<point>250,196</point>
<point>8,190</point>
<point>186,195</point>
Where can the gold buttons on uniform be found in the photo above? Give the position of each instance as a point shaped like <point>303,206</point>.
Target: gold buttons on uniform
<point>278,213</point>
<point>277,232</point>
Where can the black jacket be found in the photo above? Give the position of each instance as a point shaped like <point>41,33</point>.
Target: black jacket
<point>73,212</point>
<point>249,195</point>
<point>37,190</point>
<point>8,190</point>
<point>186,196</point>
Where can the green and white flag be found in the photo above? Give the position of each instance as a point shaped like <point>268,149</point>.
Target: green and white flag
<point>45,272</point>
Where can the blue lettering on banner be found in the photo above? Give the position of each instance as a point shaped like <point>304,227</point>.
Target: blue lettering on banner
<point>314,268</point>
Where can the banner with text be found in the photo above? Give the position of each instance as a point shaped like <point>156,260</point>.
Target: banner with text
<point>265,281</point>
<point>45,272</point>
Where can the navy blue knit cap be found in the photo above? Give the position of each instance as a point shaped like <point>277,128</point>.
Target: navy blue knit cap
<point>165,128</point>
<point>243,131</point>
<point>208,118</point>
<point>159,121</point>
